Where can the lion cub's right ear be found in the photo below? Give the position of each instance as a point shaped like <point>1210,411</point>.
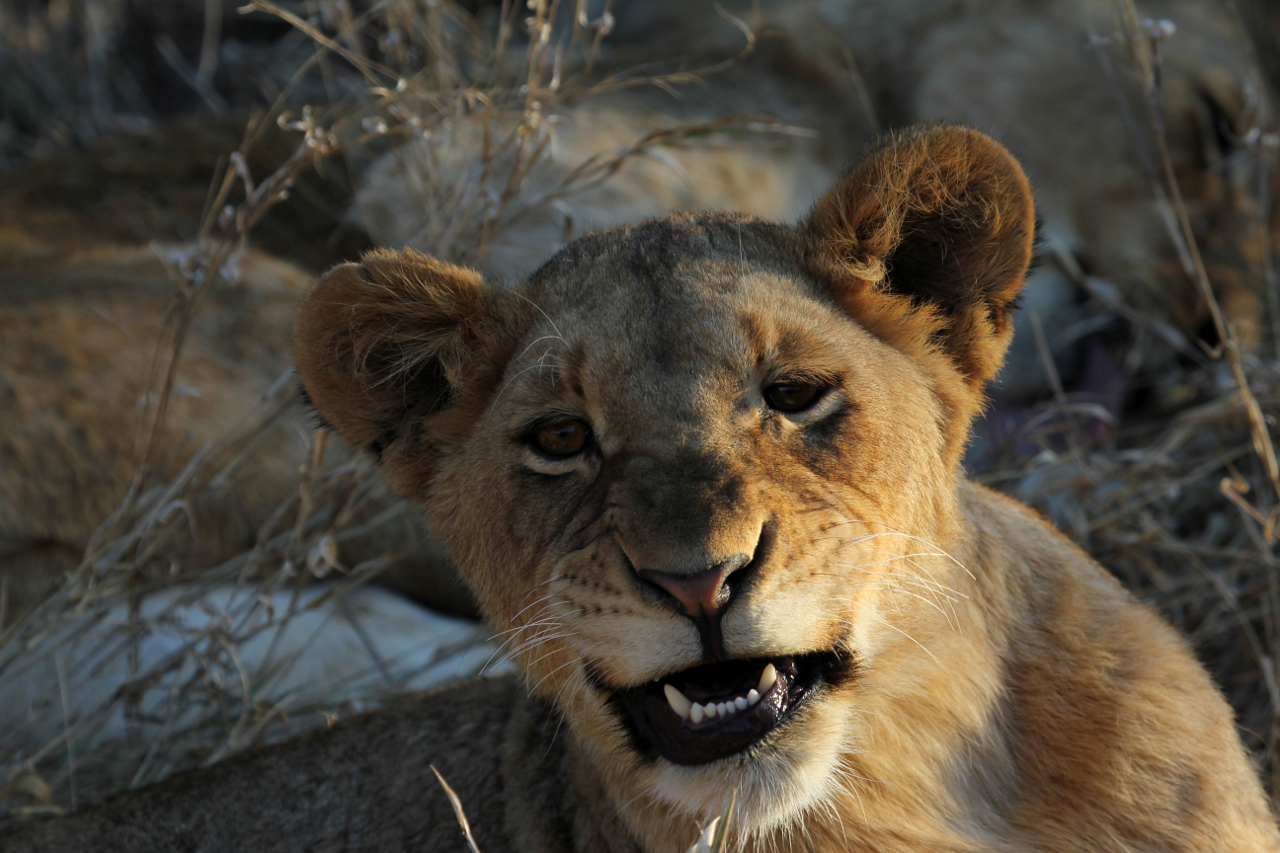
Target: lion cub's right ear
<point>397,338</point>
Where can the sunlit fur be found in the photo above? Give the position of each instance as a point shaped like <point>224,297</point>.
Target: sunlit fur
<point>1002,691</point>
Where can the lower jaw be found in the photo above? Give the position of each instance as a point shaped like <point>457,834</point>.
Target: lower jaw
<point>767,789</point>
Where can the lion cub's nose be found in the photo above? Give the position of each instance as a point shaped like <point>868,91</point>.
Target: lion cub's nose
<point>702,595</point>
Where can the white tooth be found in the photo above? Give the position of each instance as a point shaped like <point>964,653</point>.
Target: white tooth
<point>740,703</point>
<point>767,678</point>
<point>677,700</point>
<point>696,713</point>
<point>712,709</point>
<point>726,708</point>
<point>753,696</point>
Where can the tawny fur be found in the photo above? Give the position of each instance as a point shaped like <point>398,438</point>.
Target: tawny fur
<point>90,246</point>
<point>77,333</point>
<point>1006,694</point>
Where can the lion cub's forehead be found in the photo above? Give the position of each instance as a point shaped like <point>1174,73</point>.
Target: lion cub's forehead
<point>679,259</point>
<point>680,294</point>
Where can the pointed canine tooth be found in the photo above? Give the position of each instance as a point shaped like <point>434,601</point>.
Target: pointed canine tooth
<point>753,696</point>
<point>711,709</point>
<point>677,700</point>
<point>696,713</point>
<point>740,703</point>
<point>767,678</point>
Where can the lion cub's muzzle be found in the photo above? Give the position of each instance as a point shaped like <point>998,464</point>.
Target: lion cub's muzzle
<point>710,712</point>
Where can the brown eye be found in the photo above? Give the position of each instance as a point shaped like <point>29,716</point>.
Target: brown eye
<point>562,438</point>
<point>792,396</point>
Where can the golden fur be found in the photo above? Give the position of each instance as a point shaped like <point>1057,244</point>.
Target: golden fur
<point>77,332</point>
<point>90,245</point>
<point>988,687</point>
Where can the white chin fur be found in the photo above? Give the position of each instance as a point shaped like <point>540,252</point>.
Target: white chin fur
<point>776,785</point>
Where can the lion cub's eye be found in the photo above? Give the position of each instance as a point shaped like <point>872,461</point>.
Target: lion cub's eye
<point>562,438</point>
<point>792,396</point>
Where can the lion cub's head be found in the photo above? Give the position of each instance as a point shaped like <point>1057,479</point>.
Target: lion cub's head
<point>676,463</point>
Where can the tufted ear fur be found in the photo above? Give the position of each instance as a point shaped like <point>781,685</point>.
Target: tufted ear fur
<point>395,339</point>
<point>927,240</point>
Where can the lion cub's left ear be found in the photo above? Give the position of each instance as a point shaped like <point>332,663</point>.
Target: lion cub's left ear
<point>396,350</point>
<point>927,240</point>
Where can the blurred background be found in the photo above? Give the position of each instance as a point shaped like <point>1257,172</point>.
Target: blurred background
<point>188,567</point>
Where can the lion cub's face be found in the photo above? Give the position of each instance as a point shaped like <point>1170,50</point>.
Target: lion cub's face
<point>694,473</point>
<point>679,463</point>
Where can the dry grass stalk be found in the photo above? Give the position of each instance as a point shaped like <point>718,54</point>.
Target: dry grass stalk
<point>457,811</point>
<point>714,837</point>
<point>1144,37</point>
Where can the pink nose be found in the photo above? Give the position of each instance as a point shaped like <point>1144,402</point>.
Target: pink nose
<point>703,595</point>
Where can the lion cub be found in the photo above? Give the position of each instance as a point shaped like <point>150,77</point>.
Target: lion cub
<point>702,474</point>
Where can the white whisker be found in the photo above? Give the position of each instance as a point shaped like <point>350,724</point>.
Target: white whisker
<point>889,624</point>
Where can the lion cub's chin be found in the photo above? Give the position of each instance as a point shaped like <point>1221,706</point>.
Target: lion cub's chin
<point>777,781</point>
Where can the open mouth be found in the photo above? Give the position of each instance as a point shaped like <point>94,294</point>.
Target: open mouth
<point>713,711</point>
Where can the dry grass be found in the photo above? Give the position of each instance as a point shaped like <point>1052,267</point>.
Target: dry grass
<point>1182,501</point>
